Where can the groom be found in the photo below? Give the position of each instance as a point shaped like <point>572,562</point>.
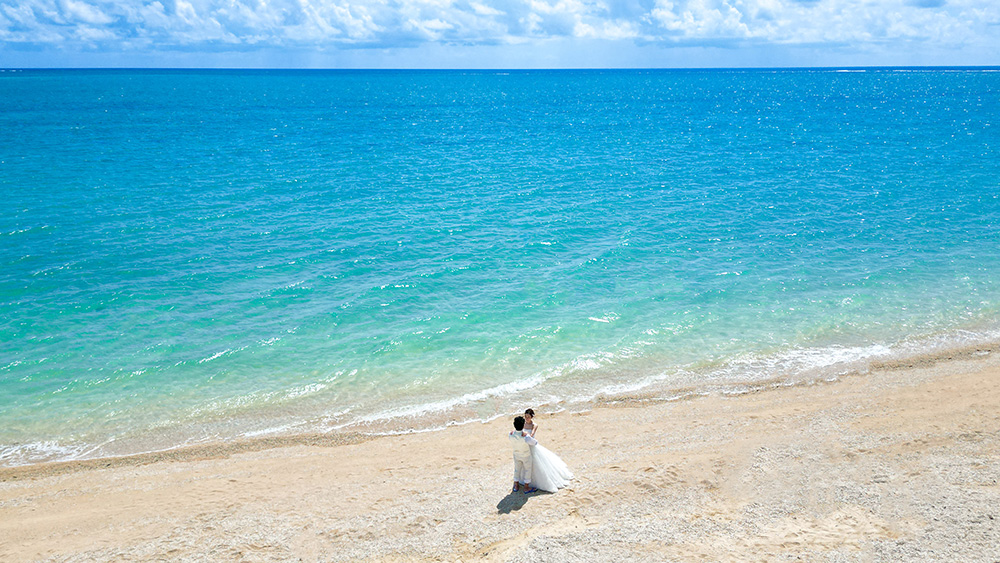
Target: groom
<point>522,456</point>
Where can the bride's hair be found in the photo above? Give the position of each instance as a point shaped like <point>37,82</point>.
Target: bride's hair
<point>529,411</point>
<point>518,423</point>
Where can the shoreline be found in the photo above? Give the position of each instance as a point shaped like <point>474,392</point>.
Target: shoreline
<point>652,394</point>
<point>201,452</point>
<point>899,464</point>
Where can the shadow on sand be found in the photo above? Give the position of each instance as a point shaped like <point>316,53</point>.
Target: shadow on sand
<point>514,501</point>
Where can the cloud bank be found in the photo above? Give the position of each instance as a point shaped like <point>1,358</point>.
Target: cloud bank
<point>216,25</point>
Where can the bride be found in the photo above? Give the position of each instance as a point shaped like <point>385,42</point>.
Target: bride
<point>548,472</point>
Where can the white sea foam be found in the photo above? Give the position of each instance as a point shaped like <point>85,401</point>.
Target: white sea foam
<point>584,383</point>
<point>215,356</point>
<point>736,371</point>
<point>638,385</point>
<point>305,390</point>
<point>36,452</point>
<point>18,231</point>
<point>226,352</point>
<point>270,431</point>
<point>584,363</point>
<point>448,404</point>
<point>799,361</point>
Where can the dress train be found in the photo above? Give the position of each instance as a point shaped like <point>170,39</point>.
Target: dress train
<point>548,472</point>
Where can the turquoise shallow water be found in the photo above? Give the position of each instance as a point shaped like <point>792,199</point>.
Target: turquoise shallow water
<point>197,255</point>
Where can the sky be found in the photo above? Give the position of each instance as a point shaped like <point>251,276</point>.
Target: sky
<point>497,33</point>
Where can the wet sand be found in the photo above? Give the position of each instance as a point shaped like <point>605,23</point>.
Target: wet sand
<point>899,464</point>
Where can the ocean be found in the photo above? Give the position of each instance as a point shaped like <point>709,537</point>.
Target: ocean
<point>196,256</point>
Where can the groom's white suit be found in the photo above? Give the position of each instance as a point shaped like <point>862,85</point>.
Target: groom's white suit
<point>522,455</point>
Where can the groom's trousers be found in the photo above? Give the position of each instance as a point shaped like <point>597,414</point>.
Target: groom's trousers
<point>522,469</point>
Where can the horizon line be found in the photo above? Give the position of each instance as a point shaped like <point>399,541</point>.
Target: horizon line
<point>512,69</point>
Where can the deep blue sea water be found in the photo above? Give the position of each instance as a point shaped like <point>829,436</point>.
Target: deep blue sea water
<point>202,255</point>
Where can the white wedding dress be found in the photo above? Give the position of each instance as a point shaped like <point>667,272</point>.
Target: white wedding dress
<point>548,472</point>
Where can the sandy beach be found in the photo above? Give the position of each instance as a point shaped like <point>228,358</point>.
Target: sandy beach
<point>899,464</point>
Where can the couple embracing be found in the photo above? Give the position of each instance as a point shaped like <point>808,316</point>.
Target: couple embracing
<point>534,466</point>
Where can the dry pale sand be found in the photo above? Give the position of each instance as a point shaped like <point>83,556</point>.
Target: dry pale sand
<point>900,464</point>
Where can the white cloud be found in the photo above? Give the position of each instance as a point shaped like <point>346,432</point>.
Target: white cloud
<point>820,21</point>
<point>193,24</point>
<point>432,30</point>
<point>699,19</point>
<point>614,30</point>
<point>92,34</point>
<point>74,10</point>
<point>21,15</point>
<point>484,10</point>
